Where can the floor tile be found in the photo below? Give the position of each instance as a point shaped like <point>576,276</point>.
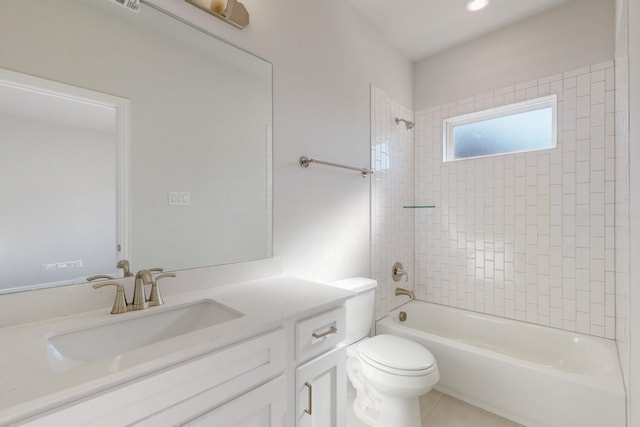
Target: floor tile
<point>440,410</point>
<point>450,412</point>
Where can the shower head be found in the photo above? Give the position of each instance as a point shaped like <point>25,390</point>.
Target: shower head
<point>407,123</point>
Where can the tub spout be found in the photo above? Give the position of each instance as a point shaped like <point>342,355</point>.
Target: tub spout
<point>407,292</point>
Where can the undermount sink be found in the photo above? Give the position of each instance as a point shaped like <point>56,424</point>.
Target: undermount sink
<point>133,331</point>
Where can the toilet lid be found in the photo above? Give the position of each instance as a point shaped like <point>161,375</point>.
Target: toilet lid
<point>396,353</point>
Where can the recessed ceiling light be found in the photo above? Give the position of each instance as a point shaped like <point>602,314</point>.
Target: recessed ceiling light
<point>475,5</point>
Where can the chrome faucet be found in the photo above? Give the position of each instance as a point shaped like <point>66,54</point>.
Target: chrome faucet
<point>407,292</point>
<point>143,277</point>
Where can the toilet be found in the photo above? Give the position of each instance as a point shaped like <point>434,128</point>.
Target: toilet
<point>388,372</point>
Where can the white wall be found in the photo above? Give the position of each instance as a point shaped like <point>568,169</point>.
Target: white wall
<point>569,37</point>
<point>325,56</point>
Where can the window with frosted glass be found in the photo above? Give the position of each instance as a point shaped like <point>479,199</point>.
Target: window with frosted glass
<point>525,126</point>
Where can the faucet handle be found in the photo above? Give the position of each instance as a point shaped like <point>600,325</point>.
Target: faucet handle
<point>398,271</point>
<point>156,269</point>
<point>155,298</point>
<point>99,276</point>
<point>163,275</point>
<point>120,303</point>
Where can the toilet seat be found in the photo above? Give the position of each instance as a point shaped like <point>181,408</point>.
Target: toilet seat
<point>397,355</point>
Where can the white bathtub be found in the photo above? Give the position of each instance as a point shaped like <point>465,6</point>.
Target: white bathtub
<point>533,375</point>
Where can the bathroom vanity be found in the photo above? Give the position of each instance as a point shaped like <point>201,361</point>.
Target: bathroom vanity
<point>278,360</point>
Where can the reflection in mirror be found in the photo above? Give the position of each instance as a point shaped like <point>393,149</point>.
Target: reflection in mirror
<point>200,142</point>
<point>59,163</point>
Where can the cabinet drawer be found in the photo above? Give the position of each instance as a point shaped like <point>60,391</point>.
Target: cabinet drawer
<point>235,369</point>
<point>319,334</point>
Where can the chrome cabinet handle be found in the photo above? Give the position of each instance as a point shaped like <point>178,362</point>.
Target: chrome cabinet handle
<point>332,330</point>
<point>309,409</point>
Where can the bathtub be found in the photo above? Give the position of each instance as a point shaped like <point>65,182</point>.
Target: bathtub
<point>533,375</point>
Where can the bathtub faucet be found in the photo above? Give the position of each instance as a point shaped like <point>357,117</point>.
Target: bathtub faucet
<point>398,271</point>
<point>407,292</point>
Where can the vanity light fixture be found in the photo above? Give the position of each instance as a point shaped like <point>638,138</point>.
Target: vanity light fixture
<point>230,11</point>
<point>476,5</point>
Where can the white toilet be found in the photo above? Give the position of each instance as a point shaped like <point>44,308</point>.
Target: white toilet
<point>388,372</point>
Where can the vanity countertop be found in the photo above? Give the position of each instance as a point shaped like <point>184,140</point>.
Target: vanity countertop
<point>29,385</point>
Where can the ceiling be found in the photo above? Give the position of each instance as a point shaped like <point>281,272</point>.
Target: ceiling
<point>420,28</point>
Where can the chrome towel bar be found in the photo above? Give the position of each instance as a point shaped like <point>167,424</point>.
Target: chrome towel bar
<point>305,161</point>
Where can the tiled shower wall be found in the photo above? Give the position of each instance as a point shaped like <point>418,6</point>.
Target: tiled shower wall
<point>622,212</point>
<point>392,232</point>
<point>527,236</point>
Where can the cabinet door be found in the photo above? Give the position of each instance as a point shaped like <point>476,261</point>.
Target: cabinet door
<point>264,406</point>
<point>321,391</point>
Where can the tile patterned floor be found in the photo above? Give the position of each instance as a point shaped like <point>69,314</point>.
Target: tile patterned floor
<point>440,410</point>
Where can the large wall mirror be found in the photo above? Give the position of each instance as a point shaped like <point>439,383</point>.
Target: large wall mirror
<point>153,143</point>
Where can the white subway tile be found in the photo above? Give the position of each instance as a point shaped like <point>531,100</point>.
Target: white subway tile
<point>583,107</point>
<point>598,90</point>
<point>527,236</point>
<point>583,85</point>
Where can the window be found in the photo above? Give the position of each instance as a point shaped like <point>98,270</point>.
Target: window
<point>525,126</point>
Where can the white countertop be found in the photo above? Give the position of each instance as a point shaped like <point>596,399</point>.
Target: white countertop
<point>29,385</point>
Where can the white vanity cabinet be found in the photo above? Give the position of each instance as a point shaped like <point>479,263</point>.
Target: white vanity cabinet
<point>283,358</point>
<point>321,379</point>
<point>240,385</point>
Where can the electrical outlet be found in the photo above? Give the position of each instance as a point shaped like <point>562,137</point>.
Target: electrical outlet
<point>177,198</point>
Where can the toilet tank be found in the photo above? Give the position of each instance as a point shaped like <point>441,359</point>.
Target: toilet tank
<point>360,307</point>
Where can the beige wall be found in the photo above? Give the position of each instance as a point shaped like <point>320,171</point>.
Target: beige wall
<point>569,37</point>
